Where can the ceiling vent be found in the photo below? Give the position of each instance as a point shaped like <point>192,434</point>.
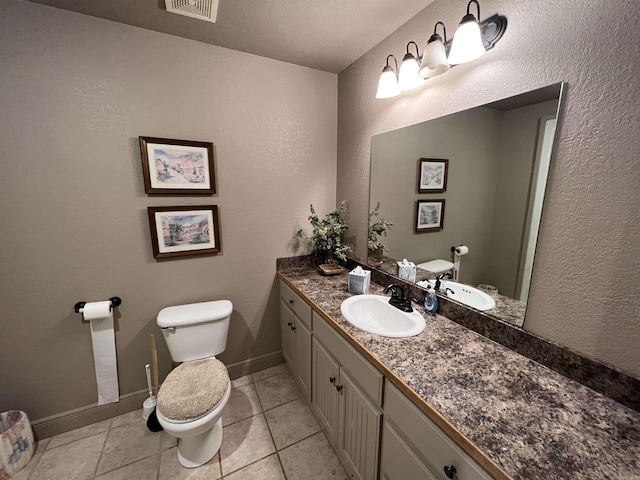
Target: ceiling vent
<point>206,10</point>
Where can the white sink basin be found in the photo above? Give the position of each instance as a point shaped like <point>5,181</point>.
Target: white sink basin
<point>373,314</point>
<point>470,296</point>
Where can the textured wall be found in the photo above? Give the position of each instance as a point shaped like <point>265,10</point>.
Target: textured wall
<point>75,94</point>
<point>586,278</point>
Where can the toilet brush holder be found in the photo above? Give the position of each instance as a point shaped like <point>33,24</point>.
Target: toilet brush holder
<point>148,406</point>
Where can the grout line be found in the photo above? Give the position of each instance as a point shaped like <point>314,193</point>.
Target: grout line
<point>95,470</point>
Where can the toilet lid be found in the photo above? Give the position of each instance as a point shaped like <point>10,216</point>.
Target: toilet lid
<point>193,389</point>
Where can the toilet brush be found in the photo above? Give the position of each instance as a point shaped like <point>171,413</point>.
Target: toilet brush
<point>152,422</point>
<point>149,404</point>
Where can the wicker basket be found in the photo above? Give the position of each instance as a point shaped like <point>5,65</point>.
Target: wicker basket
<point>16,442</point>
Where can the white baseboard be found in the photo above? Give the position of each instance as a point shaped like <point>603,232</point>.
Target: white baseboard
<point>80,417</point>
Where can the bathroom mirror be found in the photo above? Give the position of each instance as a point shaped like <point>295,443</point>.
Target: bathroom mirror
<point>497,160</point>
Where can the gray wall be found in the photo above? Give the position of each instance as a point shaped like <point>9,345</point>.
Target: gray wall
<point>75,94</point>
<point>586,277</point>
<point>468,141</point>
<point>516,158</point>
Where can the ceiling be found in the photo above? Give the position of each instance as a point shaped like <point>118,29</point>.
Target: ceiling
<point>327,35</point>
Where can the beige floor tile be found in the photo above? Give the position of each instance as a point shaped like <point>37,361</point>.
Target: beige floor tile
<point>244,442</point>
<point>291,422</point>
<point>270,372</point>
<point>145,469</point>
<point>128,444</point>
<point>241,381</point>
<point>243,403</point>
<point>170,468</point>
<point>274,391</point>
<point>39,449</point>
<point>167,441</point>
<point>76,460</point>
<point>127,418</point>
<point>266,469</point>
<point>79,433</point>
<point>312,458</point>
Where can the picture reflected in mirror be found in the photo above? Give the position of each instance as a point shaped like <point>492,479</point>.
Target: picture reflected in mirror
<point>492,181</point>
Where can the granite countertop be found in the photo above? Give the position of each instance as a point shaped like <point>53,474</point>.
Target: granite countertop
<point>529,420</point>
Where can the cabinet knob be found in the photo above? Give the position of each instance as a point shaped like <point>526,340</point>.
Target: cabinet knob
<point>289,324</point>
<point>291,302</point>
<point>332,379</point>
<point>293,328</point>
<point>338,387</point>
<point>450,471</point>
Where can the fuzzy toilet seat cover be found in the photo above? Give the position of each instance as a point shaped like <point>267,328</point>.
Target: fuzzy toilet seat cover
<point>193,389</point>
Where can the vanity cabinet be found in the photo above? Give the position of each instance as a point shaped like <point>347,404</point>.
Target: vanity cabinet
<point>295,336</point>
<point>348,409</point>
<point>413,446</point>
<point>346,394</point>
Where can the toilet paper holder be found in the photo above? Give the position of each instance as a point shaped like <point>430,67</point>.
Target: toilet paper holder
<point>115,302</point>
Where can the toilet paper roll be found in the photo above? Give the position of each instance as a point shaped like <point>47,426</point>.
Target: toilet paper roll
<point>103,340</point>
<point>96,310</point>
<point>462,250</point>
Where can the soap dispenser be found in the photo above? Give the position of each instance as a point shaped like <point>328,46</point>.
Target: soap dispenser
<point>431,302</point>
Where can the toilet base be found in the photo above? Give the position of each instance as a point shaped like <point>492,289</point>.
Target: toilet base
<point>199,449</point>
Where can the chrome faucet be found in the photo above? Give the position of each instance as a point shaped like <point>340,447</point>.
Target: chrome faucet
<point>397,298</point>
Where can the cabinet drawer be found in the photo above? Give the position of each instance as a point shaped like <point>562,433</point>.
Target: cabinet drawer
<point>301,308</point>
<point>369,379</point>
<point>428,440</point>
<point>398,462</point>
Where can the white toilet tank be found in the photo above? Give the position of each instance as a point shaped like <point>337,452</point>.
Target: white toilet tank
<point>196,330</point>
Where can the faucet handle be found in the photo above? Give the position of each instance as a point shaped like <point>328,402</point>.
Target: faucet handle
<point>396,291</point>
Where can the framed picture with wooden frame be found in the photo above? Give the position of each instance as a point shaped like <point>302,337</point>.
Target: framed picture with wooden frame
<point>432,175</point>
<point>177,166</point>
<point>429,216</point>
<point>184,231</point>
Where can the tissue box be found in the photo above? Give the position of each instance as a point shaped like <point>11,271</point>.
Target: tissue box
<point>407,270</point>
<point>359,281</point>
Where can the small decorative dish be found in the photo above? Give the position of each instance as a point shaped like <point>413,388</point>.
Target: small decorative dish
<point>331,269</point>
<point>490,289</point>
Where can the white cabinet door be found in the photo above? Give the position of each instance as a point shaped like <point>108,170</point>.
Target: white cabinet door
<point>398,461</point>
<point>359,435</point>
<point>302,357</point>
<point>286,334</point>
<point>326,373</point>
<point>295,336</point>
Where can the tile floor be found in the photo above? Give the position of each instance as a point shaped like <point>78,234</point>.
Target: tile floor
<point>269,433</point>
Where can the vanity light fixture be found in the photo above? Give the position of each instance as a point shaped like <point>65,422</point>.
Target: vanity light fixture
<point>414,70</point>
<point>467,42</point>
<point>388,83</point>
<point>434,60</point>
<point>408,78</point>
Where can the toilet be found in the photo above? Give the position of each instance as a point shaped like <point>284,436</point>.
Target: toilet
<point>436,266</point>
<point>193,396</point>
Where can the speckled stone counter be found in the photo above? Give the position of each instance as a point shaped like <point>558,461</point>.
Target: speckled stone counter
<point>530,421</point>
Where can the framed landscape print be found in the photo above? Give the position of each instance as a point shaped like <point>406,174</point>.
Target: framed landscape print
<point>429,215</point>
<point>183,231</point>
<point>432,175</point>
<point>177,166</point>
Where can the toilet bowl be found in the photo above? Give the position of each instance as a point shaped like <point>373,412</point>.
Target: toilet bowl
<point>192,398</point>
<point>199,440</point>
